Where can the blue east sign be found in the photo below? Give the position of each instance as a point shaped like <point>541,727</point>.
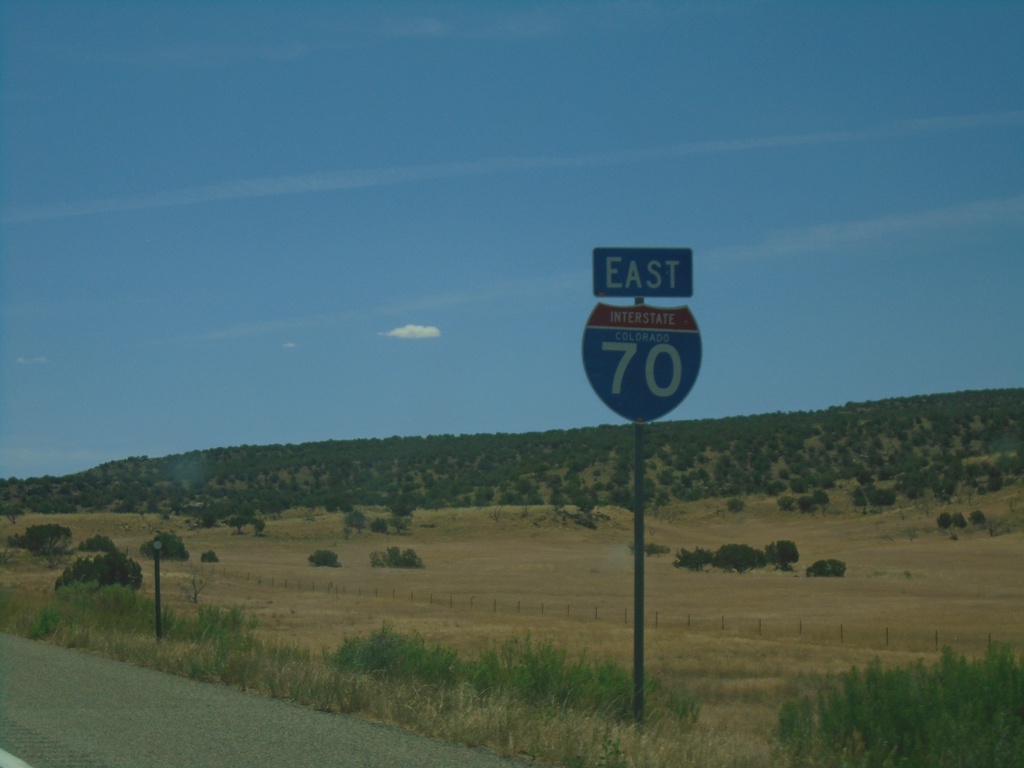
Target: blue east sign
<point>642,272</point>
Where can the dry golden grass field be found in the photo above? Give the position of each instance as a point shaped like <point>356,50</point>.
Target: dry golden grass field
<point>741,643</point>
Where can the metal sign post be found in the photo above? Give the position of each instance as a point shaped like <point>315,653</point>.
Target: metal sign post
<point>157,546</point>
<point>641,361</point>
<point>638,572</point>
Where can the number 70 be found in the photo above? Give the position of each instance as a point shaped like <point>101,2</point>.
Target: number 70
<point>628,350</point>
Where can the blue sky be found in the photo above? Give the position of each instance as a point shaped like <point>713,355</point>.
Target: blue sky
<point>251,223</point>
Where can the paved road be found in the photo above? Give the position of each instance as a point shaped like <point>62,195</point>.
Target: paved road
<point>61,708</point>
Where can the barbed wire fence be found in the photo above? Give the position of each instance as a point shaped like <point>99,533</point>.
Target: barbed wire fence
<point>894,636</point>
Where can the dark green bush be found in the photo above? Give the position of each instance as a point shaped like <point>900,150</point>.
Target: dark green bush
<point>103,570</point>
<point>739,558</point>
<point>388,655</point>
<point>355,520</point>
<point>171,547</point>
<point>652,550</point>
<point>694,561</point>
<point>394,558</point>
<point>951,714</point>
<point>830,567</point>
<point>379,525</point>
<point>782,554</point>
<point>325,558</point>
<point>542,674</point>
<point>48,539</point>
<point>209,556</point>
<point>97,543</point>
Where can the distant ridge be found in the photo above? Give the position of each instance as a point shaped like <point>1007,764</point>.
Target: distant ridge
<point>871,454</point>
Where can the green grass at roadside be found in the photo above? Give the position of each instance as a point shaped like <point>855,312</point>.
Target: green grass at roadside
<point>539,674</point>
<point>955,713</point>
<point>519,698</point>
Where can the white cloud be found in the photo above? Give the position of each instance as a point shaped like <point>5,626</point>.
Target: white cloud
<point>289,345</point>
<point>31,360</point>
<point>414,332</point>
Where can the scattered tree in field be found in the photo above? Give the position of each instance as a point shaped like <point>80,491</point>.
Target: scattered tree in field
<point>393,558</point>
<point>402,506</point>
<point>206,518</point>
<point>97,543</point>
<point>868,494</point>
<point>379,525</point>
<point>258,526</point>
<point>103,570</point>
<point>944,520</point>
<point>12,513</point>
<point>782,554</point>
<point>739,557</point>
<point>48,540</point>
<point>209,556</point>
<point>355,520</point>
<point>977,518</point>
<point>786,503</point>
<point>239,520</point>
<point>959,521</point>
<point>325,558</point>
<point>171,547</point>
<point>827,568</point>
<point>694,561</point>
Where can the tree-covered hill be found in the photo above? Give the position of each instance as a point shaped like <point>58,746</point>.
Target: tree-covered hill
<point>874,453</point>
